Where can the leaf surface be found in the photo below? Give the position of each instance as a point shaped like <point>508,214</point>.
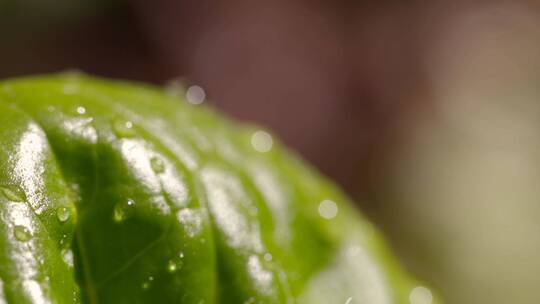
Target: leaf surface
<point>115,192</point>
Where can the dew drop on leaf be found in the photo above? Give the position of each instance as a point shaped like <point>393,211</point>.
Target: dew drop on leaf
<point>173,266</point>
<point>21,233</point>
<point>123,128</point>
<point>123,210</point>
<point>63,214</point>
<point>157,165</point>
<point>176,263</point>
<point>13,193</point>
<point>80,110</point>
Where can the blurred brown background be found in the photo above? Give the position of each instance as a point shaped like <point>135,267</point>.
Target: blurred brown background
<point>427,112</point>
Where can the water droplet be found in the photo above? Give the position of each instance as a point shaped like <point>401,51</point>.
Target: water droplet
<point>262,141</point>
<point>123,210</point>
<point>195,95</point>
<point>420,295</point>
<point>171,266</point>
<point>157,165</point>
<point>67,256</point>
<point>63,214</point>
<point>174,265</point>
<point>268,257</point>
<point>124,128</point>
<point>13,193</point>
<point>81,110</point>
<point>328,209</point>
<point>21,233</point>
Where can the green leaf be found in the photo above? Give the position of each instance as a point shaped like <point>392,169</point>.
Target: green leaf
<point>115,192</point>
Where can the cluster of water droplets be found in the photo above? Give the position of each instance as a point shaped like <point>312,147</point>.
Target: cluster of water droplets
<point>17,195</point>
<point>147,283</point>
<point>23,234</point>
<point>172,266</point>
<point>63,214</point>
<point>126,129</point>
<point>124,210</point>
<point>261,141</point>
<point>176,263</point>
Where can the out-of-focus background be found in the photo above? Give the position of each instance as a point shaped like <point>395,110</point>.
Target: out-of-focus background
<point>427,112</point>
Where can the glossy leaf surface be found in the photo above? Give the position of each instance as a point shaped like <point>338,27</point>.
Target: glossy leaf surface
<point>114,192</point>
